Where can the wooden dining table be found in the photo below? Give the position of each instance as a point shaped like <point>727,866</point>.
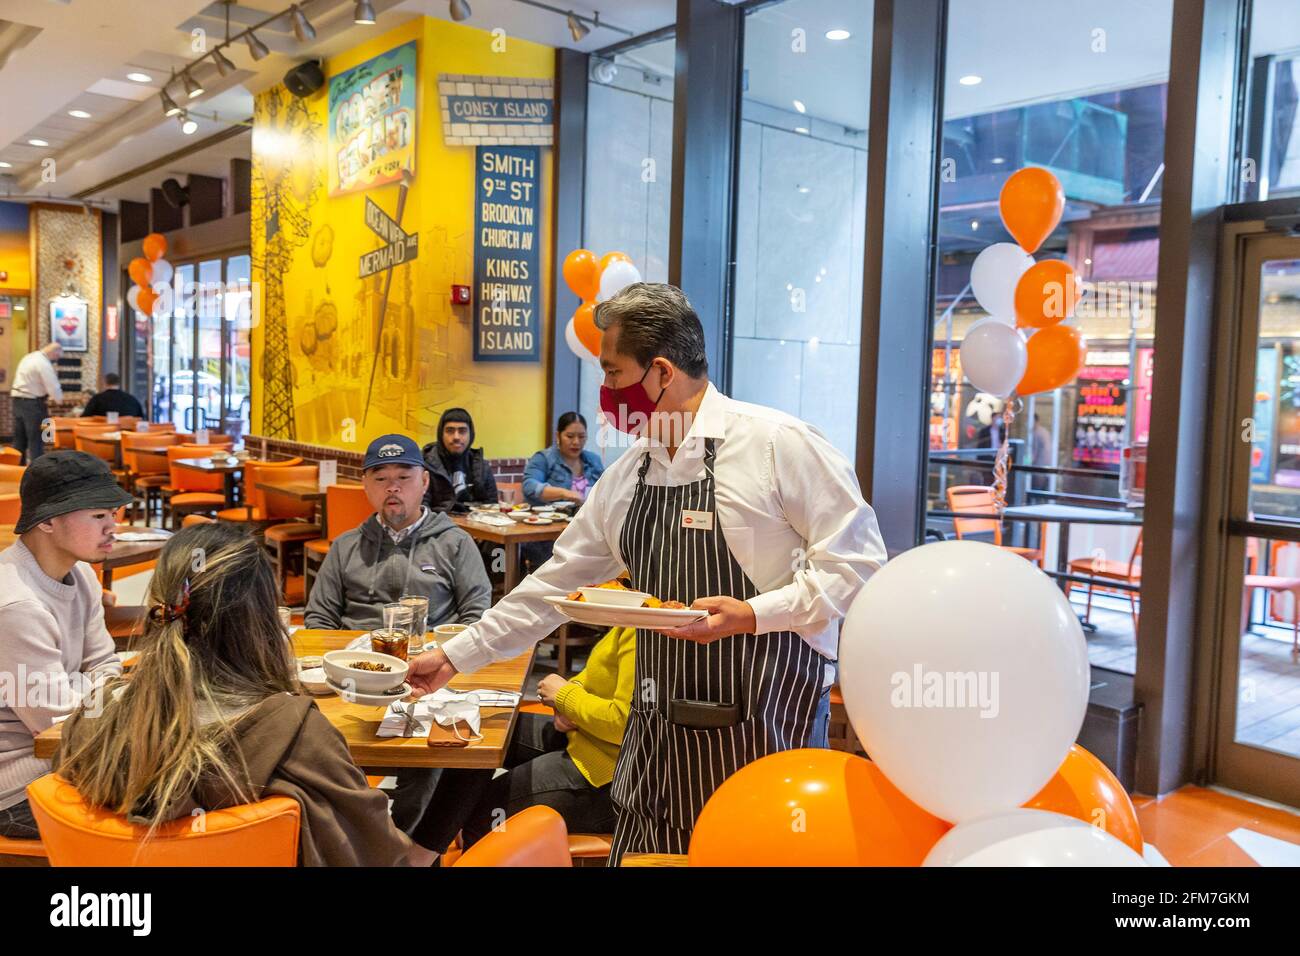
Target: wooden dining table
<point>510,538</point>
<point>358,723</point>
<point>124,553</point>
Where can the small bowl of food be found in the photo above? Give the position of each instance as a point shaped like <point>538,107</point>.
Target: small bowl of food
<point>616,597</point>
<point>365,671</point>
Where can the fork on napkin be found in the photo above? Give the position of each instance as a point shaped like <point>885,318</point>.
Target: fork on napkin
<point>417,717</point>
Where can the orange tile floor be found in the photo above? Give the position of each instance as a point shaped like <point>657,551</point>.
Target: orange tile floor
<point>1190,826</point>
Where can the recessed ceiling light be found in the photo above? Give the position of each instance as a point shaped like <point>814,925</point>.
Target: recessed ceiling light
<point>970,79</point>
<point>38,142</point>
<point>4,165</point>
<point>798,105</point>
<point>140,77</point>
<point>801,129</point>
<point>998,160</point>
<point>838,34</point>
<point>79,114</point>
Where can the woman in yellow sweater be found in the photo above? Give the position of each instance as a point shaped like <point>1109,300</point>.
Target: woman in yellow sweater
<point>565,762</point>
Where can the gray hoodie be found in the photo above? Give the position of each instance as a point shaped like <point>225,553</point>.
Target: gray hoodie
<point>364,570</point>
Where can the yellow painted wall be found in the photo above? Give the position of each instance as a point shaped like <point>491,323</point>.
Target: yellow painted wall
<point>330,317</point>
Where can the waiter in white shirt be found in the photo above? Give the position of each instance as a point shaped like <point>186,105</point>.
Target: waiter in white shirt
<point>738,509</point>
<point>35,382</point>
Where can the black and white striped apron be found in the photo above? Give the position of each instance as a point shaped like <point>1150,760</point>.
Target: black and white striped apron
<point>667,771</point>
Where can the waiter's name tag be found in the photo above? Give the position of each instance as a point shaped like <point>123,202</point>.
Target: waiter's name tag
<point>703,520</point>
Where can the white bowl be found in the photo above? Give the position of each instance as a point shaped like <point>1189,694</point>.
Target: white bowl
<point>313,680</point>
<point>614,597</point>
<point>365,682</point>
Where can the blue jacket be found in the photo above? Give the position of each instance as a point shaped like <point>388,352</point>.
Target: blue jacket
<point>548,468</point>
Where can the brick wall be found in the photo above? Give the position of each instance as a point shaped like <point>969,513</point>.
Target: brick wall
<point>504,469</point>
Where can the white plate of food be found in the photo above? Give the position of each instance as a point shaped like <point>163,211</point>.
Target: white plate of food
<point>611,615</point>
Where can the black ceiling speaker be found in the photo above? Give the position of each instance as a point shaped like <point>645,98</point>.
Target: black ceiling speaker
<point>305,78</point>
<point>175,194</point>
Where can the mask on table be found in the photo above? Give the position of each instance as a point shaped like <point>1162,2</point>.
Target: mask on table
<point>451,710</point>
<point>629,408</point>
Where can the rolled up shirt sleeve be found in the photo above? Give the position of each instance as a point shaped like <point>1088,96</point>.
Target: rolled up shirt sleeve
<point>818,492</point>
<point>51,379</point>
<point>583,555</point>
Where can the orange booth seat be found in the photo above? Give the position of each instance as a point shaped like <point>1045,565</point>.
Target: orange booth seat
<point>346,506</point>
<point>253,510</point>
<point>10,456</point>
<point>76,834</point>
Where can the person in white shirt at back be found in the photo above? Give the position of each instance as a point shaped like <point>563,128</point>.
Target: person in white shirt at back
<point>54,647</point>
<point>738,510</point>
<point>35,383</point>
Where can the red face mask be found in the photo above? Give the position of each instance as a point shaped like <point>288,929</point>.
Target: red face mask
<point>629,408</point>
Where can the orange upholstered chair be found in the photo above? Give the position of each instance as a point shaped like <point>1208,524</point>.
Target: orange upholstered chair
<point>10,456</point>
<point>253,510</point>
<point>978,499</point>
<point>346,506</point>
<point>10,846</point>
<point>12,472</point>
<point>1128,572</point>
<point>290,525</point>
<point>76,834</point>
<point>86,438</point>
<point>146,474</point>
<point>532,837</point>
<point>11,507</point>
<point>192,490</point>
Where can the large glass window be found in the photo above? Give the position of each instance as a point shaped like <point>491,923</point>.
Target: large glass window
<point>1078,90</point>
<point>629,175</point>
<point>801,211</point>
<point>1272,166</point>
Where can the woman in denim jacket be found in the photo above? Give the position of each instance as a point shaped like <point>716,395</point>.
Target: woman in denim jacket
<point>564,471</point>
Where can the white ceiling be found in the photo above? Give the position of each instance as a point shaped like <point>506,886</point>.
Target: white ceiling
<point>58,55</point>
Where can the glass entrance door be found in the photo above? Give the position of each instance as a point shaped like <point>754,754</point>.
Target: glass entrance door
<point>1257,726</point>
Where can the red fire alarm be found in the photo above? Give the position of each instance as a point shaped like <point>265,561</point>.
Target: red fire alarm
<point>460,294</point>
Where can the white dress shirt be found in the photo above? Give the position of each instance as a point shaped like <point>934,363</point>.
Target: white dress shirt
<point>788,503</point>
<point>35,378</point>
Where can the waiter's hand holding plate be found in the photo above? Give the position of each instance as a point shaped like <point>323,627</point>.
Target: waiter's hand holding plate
<point>727,616</point>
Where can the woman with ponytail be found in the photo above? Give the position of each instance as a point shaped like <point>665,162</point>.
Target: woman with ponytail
<point>211,716</point>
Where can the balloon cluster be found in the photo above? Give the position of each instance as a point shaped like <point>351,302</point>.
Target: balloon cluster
<point>151,273</point>
<point>1021,294</point>
<point>965,673</point>
<point>593,279</point>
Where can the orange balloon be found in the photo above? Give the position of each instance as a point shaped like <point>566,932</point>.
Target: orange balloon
<point>1084,788</point>
<point>155,244</point>
<point>582,274</point>
<point>146,299</point>
<point>812,808</point>
<point>1031,204</point>
<point>1046,294</point>
<point>1055,356</point>
<point>140,271</point>
<point>584,326</point>
<point>609,257</point>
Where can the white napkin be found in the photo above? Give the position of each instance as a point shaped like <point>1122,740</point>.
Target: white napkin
<point>394,723</point>
<point>157,534</point>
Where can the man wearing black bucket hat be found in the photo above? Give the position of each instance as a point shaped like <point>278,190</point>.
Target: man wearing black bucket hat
<point>53,644</point>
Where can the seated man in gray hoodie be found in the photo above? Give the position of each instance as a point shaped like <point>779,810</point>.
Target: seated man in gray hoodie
<point>403,548</point>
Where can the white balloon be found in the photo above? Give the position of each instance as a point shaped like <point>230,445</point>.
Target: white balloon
<point>132,298</point>
<point>993,278</point>
<point>994,356</point>
<point>1023,837</point>
<point>616,277</point>
<point>965,673</point>
<point>161,272</point>
<point>575,344</point>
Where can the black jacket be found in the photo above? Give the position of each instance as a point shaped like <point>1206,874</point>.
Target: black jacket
<point>480,484</point>
<point>113,400</point>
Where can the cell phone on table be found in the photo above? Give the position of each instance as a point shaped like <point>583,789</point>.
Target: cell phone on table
<point>702,714</point>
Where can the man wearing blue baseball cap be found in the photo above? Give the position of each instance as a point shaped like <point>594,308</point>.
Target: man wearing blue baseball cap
<point>403,548</point>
